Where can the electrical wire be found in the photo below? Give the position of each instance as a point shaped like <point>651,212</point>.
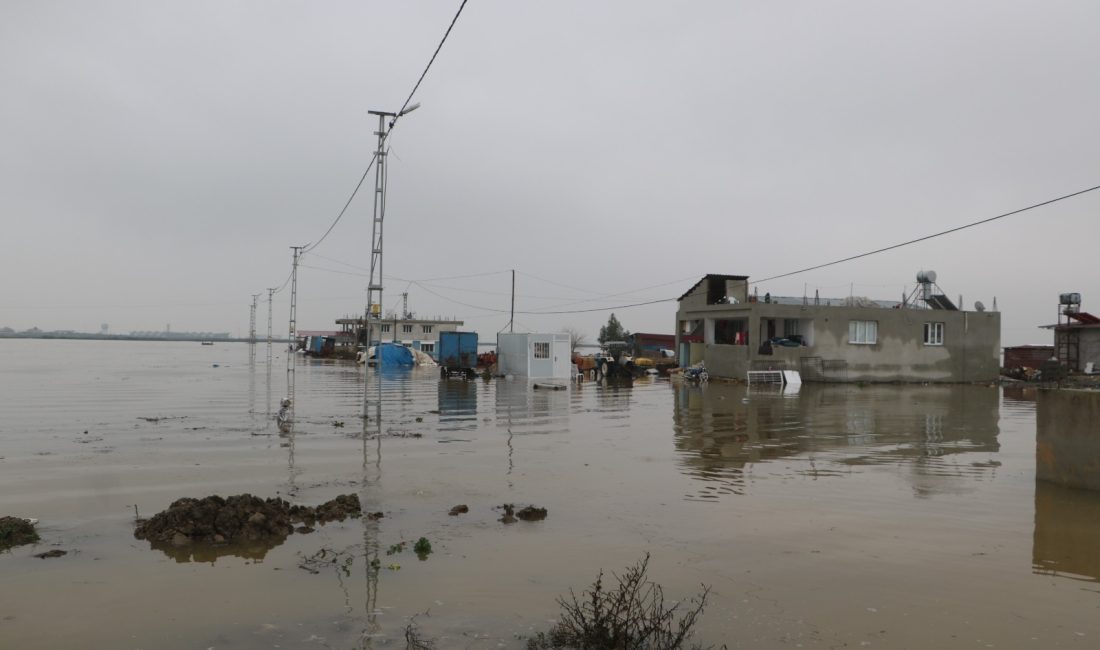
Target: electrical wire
<point>348,203</point>
<point>430,62</point>
<point>392,123</point>
<point>533,312</point>
<point>932,236</point>
<point>809,268</point>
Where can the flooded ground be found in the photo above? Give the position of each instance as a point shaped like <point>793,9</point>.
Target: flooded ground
<point>839,516</point>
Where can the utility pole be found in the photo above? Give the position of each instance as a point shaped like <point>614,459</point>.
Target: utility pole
<point>405,305</point>
<point>374,286</point>
<point>293,326</point>
<point>252,321</point>
<point>373,312</point>
<point>270,294</point>
<point>512,317</point>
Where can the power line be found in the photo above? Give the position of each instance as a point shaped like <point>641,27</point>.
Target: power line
<point>430,62</point>
<point>932,236</point>
<point>810,268</point>
<point>532,312</point>
<point>394,121</point>
<point>345,208</point>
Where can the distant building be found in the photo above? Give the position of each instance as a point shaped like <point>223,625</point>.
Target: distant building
<point>1027,356</point>
<point>1076,335</point>
<point>416,333</point>
<point>922,339</point>
<point>651,345</point>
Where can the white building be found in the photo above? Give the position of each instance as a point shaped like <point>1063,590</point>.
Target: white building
<point>535,356</point>
<point>416,333</point>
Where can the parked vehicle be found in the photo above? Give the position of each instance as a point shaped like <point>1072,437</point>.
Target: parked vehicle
<point>696,374</point>
<point>458,353</point>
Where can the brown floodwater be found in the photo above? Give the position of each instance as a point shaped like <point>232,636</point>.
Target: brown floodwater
<point>835,516</point>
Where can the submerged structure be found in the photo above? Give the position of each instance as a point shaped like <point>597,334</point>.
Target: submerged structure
<point>925,337</point>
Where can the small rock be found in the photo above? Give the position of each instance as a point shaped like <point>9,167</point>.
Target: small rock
<point>303,529</point>
<point>459,510</point>
<point>54,553</point>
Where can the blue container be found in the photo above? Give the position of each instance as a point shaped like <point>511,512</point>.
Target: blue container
<point>457,350</point>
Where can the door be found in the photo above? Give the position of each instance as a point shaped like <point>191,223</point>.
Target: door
<point>540,352</point>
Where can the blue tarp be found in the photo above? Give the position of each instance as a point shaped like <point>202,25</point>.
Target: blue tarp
<point>391,354</point>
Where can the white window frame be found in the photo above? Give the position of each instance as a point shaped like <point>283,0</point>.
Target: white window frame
<point>863,332</point>
<point>385,327</point>
<point>406,329</point>
<point>542,350</point>
<point>427,328</point>
<point>427,347</point>
<point>933,333</point>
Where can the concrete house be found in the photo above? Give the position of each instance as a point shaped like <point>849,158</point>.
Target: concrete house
<point>416,333</point>
<point>925,339</point>
<point>1076,336</point>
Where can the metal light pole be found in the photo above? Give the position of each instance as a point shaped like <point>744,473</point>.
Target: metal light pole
<point>293,325</point>
<point>373,313</point>
<point>252,321</point>
<point>270,294</point>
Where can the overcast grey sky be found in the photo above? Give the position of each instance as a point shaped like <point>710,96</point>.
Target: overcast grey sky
<point>159,158</point>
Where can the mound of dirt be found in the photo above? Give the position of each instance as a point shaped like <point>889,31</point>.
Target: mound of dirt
<point>531,513</point>
<point>15,531</point>
<point>240,518</point>
<point>527,513</point>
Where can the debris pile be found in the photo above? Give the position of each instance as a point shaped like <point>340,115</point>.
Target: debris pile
<point>527,513</point>
<point>16,531</point>
<point>240,518</point>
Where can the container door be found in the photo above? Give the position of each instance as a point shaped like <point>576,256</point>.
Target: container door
<point>541,355</point>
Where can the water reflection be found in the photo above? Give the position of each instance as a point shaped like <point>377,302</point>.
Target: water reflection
<point>457,404</point>
<point>930,432</point>
<point>1067,532</point>
<point>252,550</point>
<point>522,409</point>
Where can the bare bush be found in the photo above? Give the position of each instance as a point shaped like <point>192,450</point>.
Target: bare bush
<point>631,616</point>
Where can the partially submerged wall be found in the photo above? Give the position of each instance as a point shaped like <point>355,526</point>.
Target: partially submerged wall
<point>1067,439</point>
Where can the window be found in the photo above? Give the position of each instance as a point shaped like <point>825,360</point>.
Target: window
<point>933,333</point>
<point>385,328</point>
<point>542,350</point>
<point>731,332</point>
<point>863,332</point>
<point>407,329</point>
<point>427,347</point>
<point>427,328</point>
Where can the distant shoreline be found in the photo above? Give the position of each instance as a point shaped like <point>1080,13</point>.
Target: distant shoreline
<point>76,336</point>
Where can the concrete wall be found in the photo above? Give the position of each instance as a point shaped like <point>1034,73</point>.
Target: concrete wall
<point>726,360</point>
<point>970,350</point>
<point>1090,348</point>
<point>1067,440</point>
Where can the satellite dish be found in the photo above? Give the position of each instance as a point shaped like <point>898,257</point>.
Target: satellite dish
<point>978,306</point>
